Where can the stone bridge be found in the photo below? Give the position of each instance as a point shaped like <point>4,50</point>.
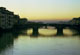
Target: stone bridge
<point>59,27</point>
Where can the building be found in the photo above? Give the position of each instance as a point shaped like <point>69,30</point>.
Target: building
<point>7,18</point>
<point>75,21</point>
<point>23,21</point>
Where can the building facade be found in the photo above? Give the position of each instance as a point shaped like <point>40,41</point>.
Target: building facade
<point>7,18</point>
<point>75,21</point>
<point>23,21</point>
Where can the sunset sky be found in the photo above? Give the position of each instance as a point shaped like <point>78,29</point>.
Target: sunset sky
<point>44,9</point>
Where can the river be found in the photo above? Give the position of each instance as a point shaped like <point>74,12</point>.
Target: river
<point>46,43</point>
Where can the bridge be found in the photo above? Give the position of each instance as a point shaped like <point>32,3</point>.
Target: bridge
<point>59,27</point>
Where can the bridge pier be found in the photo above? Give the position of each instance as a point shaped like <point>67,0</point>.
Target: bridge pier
<point>46,26</point>
<point>35,31</point>
<point>59,31</point>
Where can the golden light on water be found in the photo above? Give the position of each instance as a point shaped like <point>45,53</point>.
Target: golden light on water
<point>67,32</point>
<point>51,31</point>
<point>47,32</point>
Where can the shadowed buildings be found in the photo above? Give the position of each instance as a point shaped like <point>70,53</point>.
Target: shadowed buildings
<point>7,18</point>
<point>75,21</point>
<point>22,21</point>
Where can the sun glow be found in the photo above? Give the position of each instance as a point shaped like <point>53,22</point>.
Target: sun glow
<point>44,9</point>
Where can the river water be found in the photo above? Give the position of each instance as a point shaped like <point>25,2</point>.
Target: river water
<point>46,43</point>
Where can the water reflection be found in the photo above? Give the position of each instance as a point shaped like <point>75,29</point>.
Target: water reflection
<point>7,39</point>
<point>53,32</point>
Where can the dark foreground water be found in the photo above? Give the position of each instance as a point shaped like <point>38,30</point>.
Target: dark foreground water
<point>47,43</point>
